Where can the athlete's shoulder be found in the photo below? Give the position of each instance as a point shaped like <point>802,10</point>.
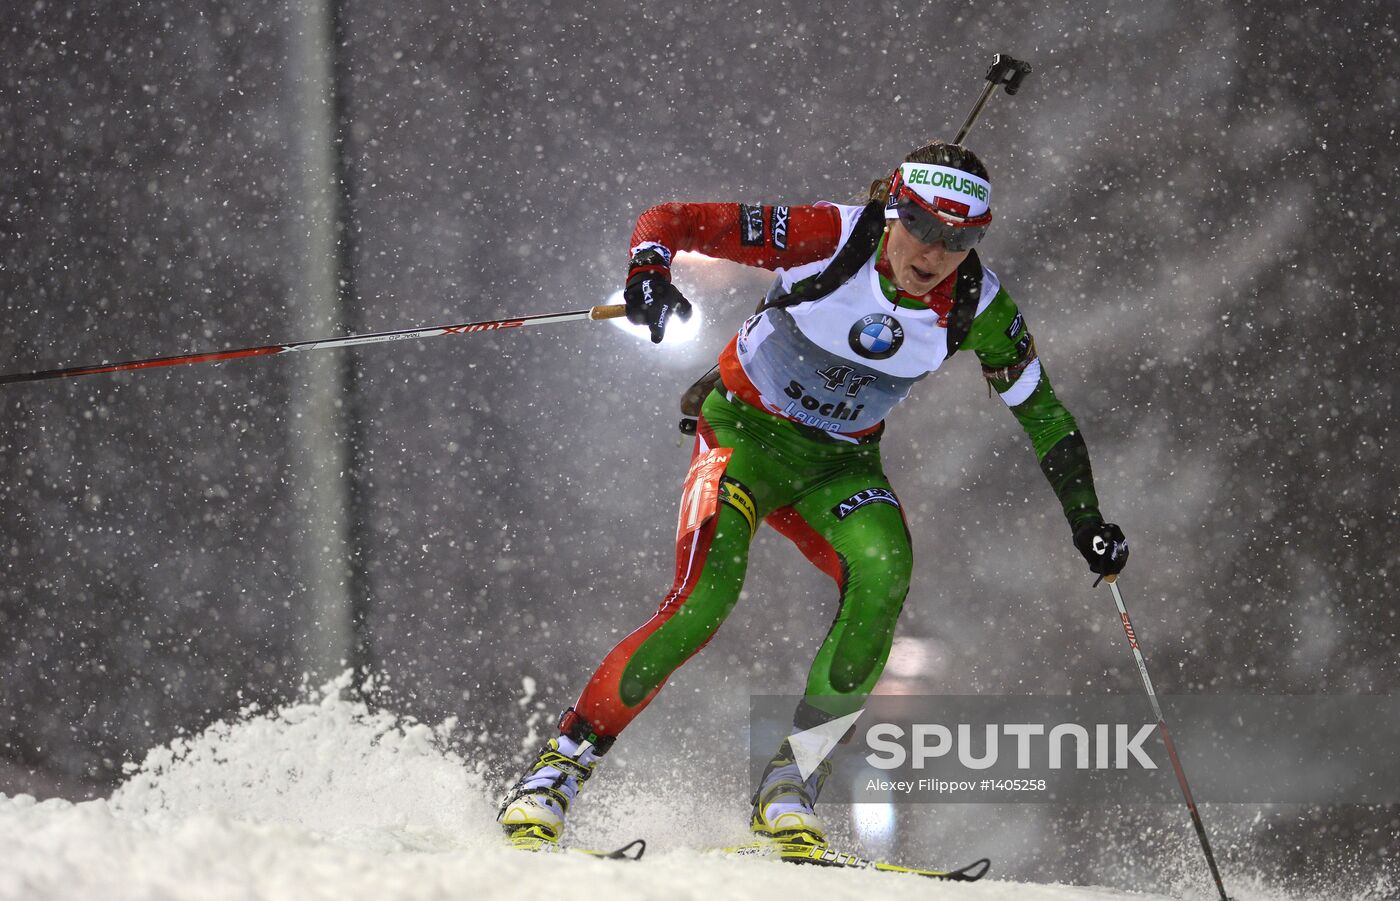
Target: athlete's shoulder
<point>850,216</point>
<point>992,293</point>
<point>844,216</point>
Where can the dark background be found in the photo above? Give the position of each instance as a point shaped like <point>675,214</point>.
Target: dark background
<point>1195,211</point>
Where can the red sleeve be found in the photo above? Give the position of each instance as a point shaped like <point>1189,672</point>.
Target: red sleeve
<point>766,236</point>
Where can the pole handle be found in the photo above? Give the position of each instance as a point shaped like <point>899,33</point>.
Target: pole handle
<point>608,311</point>
<point>1006,70</point>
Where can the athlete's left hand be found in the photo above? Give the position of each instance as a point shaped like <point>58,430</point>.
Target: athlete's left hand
<point>1103,546</point>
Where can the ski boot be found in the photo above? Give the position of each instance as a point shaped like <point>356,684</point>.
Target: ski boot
<point>782,806</point>
<point>534,810</point>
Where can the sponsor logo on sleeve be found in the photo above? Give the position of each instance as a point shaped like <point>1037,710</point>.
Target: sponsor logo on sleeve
<point>1015,327</point>
<point>780,227</point>
<point>863,498</point>
<point>751,225</point>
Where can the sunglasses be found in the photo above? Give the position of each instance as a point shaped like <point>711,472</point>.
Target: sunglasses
<point>932,226</point>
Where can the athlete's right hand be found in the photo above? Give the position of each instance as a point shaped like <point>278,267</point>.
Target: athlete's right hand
<point>650,296</point>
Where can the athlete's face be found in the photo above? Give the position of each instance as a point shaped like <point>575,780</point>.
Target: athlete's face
<point>918,267</point>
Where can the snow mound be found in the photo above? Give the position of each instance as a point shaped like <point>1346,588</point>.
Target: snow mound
<point>328,765</point>
<point>326,798</point>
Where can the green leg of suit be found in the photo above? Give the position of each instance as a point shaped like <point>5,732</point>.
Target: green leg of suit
<point>834,501</point>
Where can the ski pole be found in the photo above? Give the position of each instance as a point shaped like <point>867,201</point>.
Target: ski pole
<point>609,311</point>
<point>1167,737</point>
<point>1005,70</point>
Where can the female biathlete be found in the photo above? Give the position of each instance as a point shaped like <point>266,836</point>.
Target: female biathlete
<point>867,301</point>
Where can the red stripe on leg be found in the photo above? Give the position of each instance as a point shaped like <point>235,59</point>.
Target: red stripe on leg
<point>809,541</point>
<point>704,433</point>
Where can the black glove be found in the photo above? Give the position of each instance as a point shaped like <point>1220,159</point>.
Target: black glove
<point>1103,545</point>
<point>650,296</point>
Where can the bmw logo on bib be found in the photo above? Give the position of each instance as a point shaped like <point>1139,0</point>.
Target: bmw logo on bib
<point>877,336</point>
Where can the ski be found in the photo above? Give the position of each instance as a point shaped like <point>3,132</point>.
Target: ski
<point>626,852</point>
<point>536,839</point>
<point>805,851</point>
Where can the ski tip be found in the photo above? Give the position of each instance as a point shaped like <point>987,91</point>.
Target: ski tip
<point>625,852</point>
<point>633,850</point>
<point>972,872</point>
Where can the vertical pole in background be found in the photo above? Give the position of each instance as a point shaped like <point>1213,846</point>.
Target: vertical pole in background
<point>327,638</point>
<point>352,408</point>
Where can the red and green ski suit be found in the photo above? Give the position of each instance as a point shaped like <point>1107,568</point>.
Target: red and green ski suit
<point>785,439</point>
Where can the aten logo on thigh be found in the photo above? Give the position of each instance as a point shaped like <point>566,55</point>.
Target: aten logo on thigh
<point>862,498</point>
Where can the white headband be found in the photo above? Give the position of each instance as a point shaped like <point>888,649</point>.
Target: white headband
<point>960,193</point>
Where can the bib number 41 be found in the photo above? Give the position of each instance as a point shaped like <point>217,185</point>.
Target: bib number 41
<point>836,376</point>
